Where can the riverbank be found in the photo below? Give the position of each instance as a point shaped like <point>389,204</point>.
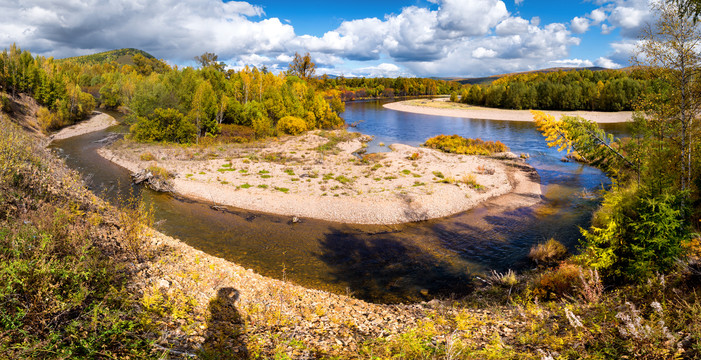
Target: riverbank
<point>441,107</point>
<point>163,297</point>
<point>317,175</point>
<point>96,122</point>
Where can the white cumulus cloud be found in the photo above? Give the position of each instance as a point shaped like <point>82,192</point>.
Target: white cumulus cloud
<point>579,25</point>
<point>572,63</point>
<point>607,63</point>
<point>481,52</point>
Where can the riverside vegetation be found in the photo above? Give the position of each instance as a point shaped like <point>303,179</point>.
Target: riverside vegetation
<point>603,90</point>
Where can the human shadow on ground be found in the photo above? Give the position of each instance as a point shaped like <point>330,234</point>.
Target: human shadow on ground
<point>225,333</point>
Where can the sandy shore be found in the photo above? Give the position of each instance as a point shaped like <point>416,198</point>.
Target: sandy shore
<point>97,121</point>
<point>441,107</point>
<point>291,176</point>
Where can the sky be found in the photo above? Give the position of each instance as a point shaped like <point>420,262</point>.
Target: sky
<point>424,38</point>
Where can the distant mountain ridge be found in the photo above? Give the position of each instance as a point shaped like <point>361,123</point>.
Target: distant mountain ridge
<point>486,80</point>
<point>121,56</point>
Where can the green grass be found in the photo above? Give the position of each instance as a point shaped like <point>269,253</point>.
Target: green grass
<point>438,174</point>
<point>265,176</point>
<point>263,186</point>
<point>62,287</point>
<point>245,186</point>
<point>282,189</point>
<point>342,179</point>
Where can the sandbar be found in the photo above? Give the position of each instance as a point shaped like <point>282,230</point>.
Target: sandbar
<point>441,107</point>
<point>292,176</point>
<point>96,122</point>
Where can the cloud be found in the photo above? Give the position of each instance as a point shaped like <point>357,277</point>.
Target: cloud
<point>597,16</point>
<point>607,29</point>
<point>572,63</point>
<point>579,25</point>
<point>172,29</point>
<point>382,70</point>
<point>470,17</point>
<point>627,15</point>
<point>481,53</point>
<point>607,63</point>
<point>451,37</point>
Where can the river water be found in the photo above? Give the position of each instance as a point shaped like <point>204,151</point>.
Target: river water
<point>397,263</point>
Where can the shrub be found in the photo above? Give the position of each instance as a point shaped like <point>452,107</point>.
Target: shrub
<point>548,252</point>
<point>236,134</point>
<point>147,156</point>
<point>164,125</point>
<point>469,180</point>
<point>291,125</point>
<point>49,121</point>
<point>261,126</point>
<point>5,104</point>
<point>159,172</point>
<point>564,280</point>
<point>453,96</point>
<point>508,278</point>
<point>459,145</point>
<point>636,233</point>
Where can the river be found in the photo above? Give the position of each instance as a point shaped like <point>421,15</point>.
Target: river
<point>389,264</point>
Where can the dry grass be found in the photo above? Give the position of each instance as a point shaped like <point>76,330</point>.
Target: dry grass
<point>547,253</point>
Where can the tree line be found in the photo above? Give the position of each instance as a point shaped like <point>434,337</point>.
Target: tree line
<point>606,90</point>
<point>62,99</point>
<point>348,89</point>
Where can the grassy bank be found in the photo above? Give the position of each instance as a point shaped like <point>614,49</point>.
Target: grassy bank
<point>62,267</point>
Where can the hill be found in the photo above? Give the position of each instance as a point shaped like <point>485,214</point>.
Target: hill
<point>121,56</point>
<point>486,80</point>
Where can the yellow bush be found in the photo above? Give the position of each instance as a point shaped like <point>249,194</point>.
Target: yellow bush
<point>291,125</point>
<point>459,145</point>
<point>50,121</point>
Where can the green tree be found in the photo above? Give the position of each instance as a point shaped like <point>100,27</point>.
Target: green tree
<point>204,109</point>
<point>210,60</point>
<point>164,125</point>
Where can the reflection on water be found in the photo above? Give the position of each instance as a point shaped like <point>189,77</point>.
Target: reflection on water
<point>397,263</point>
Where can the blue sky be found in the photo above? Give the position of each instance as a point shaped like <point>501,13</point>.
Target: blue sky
<point>463,38</point>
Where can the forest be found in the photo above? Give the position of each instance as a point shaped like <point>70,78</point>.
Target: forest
<point>363,88</point>
<point>183,105</point>
<point>606,90</point>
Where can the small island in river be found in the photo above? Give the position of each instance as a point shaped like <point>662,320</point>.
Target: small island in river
<point>320,175</point>
<point>442,107</point>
